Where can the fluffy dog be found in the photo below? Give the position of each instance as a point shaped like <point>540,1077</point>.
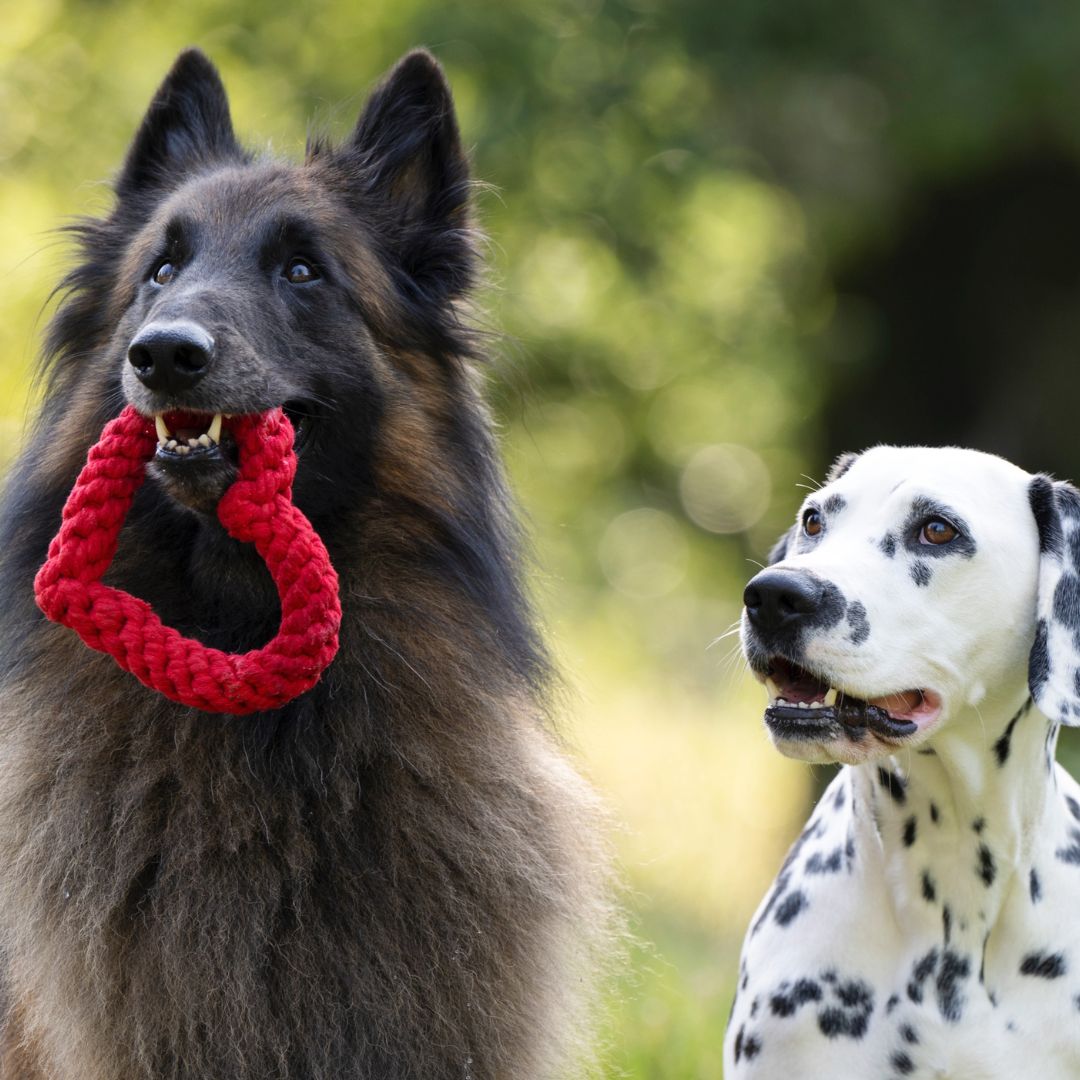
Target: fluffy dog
<point>920,624</point>
<point>397,874</point>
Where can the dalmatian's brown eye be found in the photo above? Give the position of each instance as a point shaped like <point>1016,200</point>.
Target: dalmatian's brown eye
<point>938,532</point>
<point>812,523</point>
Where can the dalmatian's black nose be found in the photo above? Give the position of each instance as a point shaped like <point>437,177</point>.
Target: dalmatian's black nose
<point>780,598</point>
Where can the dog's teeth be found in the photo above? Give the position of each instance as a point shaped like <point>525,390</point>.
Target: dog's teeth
<point>214,431</point>
<point>183,449</point>
<point>204,440</point>
<point>773,689</point>
<point>171,444</point>
<point>830,698</point>
<point>193,443</point>
<point>162,431</point>
<point>817,704</point>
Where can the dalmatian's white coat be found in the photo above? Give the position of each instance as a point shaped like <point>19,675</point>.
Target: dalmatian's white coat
<point>926,924</point>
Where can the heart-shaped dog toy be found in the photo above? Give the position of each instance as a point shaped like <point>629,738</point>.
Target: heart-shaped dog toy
<point>257,509</point>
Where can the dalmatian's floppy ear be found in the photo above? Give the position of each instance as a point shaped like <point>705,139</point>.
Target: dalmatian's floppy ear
<point>1054,664</point>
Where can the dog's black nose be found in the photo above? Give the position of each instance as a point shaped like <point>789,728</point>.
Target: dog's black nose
<point>779,598</point>
<point>171,356</point>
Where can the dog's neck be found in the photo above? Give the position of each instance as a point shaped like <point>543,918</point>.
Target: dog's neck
<point>955,822</point>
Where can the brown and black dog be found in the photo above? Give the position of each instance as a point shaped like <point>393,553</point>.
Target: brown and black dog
<point>399,874</point>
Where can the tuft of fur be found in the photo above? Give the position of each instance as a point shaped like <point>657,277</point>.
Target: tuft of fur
<point>399,874</point>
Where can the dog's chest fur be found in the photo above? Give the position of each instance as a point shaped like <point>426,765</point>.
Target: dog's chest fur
<point>908,936</point>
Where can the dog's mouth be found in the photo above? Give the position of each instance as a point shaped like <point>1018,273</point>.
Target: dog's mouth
<point>196,456</point>
<point>804,706</point>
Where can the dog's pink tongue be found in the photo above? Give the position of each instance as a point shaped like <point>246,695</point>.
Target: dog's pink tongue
<point>899,704</point>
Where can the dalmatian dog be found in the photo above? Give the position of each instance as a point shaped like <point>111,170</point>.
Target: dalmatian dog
<point>920,624</point>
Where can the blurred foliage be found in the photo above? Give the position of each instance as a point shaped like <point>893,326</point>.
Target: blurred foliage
<point>677,186</point>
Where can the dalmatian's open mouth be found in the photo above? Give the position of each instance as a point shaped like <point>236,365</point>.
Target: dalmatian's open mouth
<point>804,706</point>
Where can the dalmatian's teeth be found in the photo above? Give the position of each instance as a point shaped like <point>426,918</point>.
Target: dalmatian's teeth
<point>830,698</point>
<point>163,432</point>
<point>817,704</point>
<point>183,449</point>
<point>773,690</point>
<point>204,440</point>
<point>172,444</point>
<point>214,431</point>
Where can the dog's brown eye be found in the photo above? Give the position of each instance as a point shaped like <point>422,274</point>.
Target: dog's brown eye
<point>164,273</point>
<point>812,523</point>
<point>936,531</point>
<point>297,272</point>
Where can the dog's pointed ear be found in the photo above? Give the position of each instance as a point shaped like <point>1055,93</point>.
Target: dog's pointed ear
<point>1054,663</point>
<point>408,151</point>
<point>187,125</point>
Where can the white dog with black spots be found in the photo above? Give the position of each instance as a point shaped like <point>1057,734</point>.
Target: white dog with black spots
<point>920,624</point>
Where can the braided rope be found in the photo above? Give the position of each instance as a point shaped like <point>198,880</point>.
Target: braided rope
<point>257,509</point>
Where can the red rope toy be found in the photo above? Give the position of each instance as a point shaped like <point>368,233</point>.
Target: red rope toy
<point>256,509</point>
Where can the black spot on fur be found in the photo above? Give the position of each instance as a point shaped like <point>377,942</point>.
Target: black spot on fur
<point>946,923</point>
<point>751,1047</point>
<point>922,969</point>
<point>909,1035</point>
<point>953,971</point>
<point>921,574</point>
<point>1004,744</point>
<point>834,504</point>
<point>790,907</point>
<point>895,785</point>
<point>840,797</point>
<point>778,890</point>
<point>910,828</point>
<point>888,545</point>
<point>1043,965</point>
<point>1074,807</point>
<point>787,1001</point>
<point>859,623</point>
<point>891,1004</point>
<point>928,890</point>
<point>902,1063</point>
<point>849,1015</point>
<point>987,868</point>
<point>1034,888</point>
<point>1067,600</point>
<point>818,863</point>
<point>935,817</point>
<point>1070,854</point>
<point>979,824</point>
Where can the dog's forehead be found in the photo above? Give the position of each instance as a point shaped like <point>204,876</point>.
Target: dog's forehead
<point>247,195</point>
<point>965,479</point>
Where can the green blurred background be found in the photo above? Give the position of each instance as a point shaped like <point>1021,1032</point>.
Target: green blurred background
<point>728,240</point>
